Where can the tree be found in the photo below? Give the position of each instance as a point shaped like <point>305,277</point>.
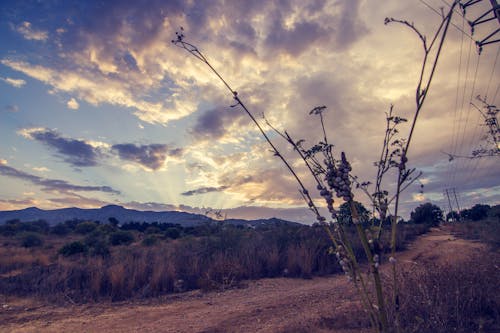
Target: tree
<point>452,216</point>
<point>479,212</point>
<point>344,213</point>
<point>113,221</point>
<point>427,213</point>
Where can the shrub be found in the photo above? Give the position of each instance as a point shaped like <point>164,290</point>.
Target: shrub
<point>172,233</point>
<point>106,228</point>
<point>31,239</point>
<point>72,248</point>
<point>100,248</point>
<point>150,240</point>
<point>60,229</point>
<point>121,238</point>
<point>8,229</point>
<point>85,227</point>
<point>152,230</point>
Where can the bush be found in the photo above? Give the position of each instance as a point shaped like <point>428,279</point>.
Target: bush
<point>100,248</point>
<point>73,248</point>
<point>172,233</point>
<point>106,228</point>
<point>60,229</point>
<point>150,240</point>
<point>85,227</point>
<point>31,239</point>
<point>121,238</point>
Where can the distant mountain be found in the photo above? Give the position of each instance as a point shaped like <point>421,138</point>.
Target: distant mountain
<point>123,215</point>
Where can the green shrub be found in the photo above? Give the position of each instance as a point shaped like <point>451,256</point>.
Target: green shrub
<point>8,229</point>
<point>121,238</point>
<point>100,248</point>
<point>106,228</point>
<point>31,239</point>
<point>152,230</point>
<point>172,233</point>
<point>60,229</point>
<point>85,227</point>
<point>150,240</point>
<point>72,248</point>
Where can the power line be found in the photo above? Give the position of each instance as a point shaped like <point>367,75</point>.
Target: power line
<point>492,72</point>
<point>457,93</point>
<point>441,15</point>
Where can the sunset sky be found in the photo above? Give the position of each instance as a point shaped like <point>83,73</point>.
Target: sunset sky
<point>98,107</point>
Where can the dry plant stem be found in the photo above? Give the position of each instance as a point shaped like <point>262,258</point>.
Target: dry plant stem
<point>421,95</point>
<point>382,313</point>
<point>195,52</point>
<point>356,274</point>
<point>363,292</point>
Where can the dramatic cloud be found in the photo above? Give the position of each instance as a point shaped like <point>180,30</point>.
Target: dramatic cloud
<point>88,153</point>
<point>13,204</point>
<point>52,185</point>
<point>214,124</point>
<point>151,156</point>
<point>18,83</point>
<point>76,200</point>
<point>78,153</point>
<point>97,88</point>
<point>73,104</point>
<point>203,190</point>
<point>30,33</point>
<point>283,58</point>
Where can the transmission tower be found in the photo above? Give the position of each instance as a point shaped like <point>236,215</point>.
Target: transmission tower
<point>484,17</point>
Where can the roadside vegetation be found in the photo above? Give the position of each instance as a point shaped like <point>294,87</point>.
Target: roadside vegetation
<point>85,261</point>
<point>82,261</point>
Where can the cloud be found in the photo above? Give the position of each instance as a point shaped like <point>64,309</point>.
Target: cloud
<point>18,83</point>
<point>12,108</point>
<point>78,153</point>
<point>98,87</point>
<point>52,185</point>
<point>41,169</point>
<point>73,104</point>
<point>29,33</point>
<point>88,153</point>
<point>13,204</point>
<point>152,206</point>
<point>204,190</point>
<point>216,123</point>
<point>76,200</point>
<point>151,156</point>
<point>296,39</point>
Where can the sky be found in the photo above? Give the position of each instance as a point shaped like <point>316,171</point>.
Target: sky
<point>98,107</point>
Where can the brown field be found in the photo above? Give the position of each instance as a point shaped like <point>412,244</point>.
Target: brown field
<point>320,304</point>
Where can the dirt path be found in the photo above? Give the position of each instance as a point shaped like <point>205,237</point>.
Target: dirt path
<point>267,305</point>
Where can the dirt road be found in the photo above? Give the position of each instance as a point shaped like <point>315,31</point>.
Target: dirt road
<point>322,304</point>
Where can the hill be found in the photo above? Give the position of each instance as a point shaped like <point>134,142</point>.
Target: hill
<point>123,215</point>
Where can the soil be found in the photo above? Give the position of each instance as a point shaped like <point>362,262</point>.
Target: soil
<point>321,304</point>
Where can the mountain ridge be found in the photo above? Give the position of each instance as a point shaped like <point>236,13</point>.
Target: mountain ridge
<point>123,215</point>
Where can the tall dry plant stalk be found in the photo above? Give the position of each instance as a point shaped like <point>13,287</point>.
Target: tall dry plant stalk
<point>333,177</point>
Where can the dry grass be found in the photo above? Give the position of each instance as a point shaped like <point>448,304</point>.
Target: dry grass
<point>219,260</point>
<point>452,297</point>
